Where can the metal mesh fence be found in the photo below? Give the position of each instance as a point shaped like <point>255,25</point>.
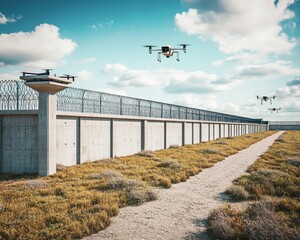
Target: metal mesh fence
<point>15,95</point>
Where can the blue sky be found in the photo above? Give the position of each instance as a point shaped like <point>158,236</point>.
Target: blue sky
<point>239,49</point>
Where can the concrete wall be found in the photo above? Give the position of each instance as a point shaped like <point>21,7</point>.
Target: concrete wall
<point>205,132</point>
<point>154,135</point>
<point>284,127</point>
<point>19,141</point>
<point>88,137</point>
<point>174,135</point>
<point>126,137</point>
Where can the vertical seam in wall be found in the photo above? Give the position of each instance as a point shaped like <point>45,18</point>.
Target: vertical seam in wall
<point>200,132</point>
<point>112,138</point>
<point>143,134</point>
<point>183,133</point>
<point>78,139</point>
<point>165,135</point>
<point>208,132</point>
<point>192,133</point>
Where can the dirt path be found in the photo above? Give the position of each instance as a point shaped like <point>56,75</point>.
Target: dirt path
<point>181,212</point>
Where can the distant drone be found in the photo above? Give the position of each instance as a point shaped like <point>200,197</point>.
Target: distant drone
<point>67,76</point>
<point>167,51</point>
<point>265,98</point>
<point>47,72</point>
<point>274,109</point>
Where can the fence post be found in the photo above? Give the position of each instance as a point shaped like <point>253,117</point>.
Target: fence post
<point>121,106</point>
<point>18,89</point>
<point>82,101</point>
<point>100,103</point>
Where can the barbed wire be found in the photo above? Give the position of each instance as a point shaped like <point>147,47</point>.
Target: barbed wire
<point>15,95</point>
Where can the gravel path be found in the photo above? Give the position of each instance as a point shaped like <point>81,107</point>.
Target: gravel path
<point>181,212</point>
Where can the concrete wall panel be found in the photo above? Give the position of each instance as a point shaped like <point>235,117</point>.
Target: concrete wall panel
<point>217,135</point>
<point>204,132</point>
<point>211,131</point>
<point>196,133</point>
<point>154,135</point>
<point>19,144</point>
<point>126,137</point>
<point>67,143</point>
<point>95,139</point>
<point>174,134</point>
<point>188,133</point>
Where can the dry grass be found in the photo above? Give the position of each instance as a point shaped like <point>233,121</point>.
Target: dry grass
<point>80,200</point>
<point>273,180</point>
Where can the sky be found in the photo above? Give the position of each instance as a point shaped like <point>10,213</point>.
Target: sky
<point>239,49</point>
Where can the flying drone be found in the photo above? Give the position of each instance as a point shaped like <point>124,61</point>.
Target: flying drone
<point>265,98</point>
<point>167,51</point>
<point>274,109</point>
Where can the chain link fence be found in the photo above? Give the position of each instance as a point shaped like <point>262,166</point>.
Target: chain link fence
<point>15,95</point>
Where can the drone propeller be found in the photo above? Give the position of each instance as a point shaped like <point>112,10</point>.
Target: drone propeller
<point>150,47</point>
<point>68,76</point>
<point>184,44</point>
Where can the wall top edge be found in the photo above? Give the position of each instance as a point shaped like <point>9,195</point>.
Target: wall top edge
<point>127,117</point>
<point>19,112</point>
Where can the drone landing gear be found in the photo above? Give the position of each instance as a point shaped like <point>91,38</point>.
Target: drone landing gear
<point>158,56</point>
<point>177,56</point>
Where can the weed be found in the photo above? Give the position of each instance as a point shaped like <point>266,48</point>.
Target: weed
<point>231,138</point>
<point>225,223</point>
<point>146,153</point>
<point>210,151</point>
<point>2,207</point>
<point>174,146</point>
<point>106,174</point>
<point>221,143</point>
<point>60,167</point>
<point>294,162</point>
<point>262,222</point>
<point>36,183</point>
<point>237,193</point>
<point>108,161</point>
<point>169,164</point>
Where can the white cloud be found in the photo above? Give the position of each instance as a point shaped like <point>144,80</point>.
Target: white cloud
<point>265,70</point>
<point>210,103</point>
<point>113,91</point>
<point>241,25</point>
<point>244,57</point>
<point>9,76</point>
<point>171,80</point>
<point>41,48</point>
<point>4,19</point>
<point>102,25</point>
<point>84,75</point>
<point>87,60</point>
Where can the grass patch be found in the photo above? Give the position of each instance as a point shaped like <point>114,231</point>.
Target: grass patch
<point>78,201</point>
<point>273,181</point>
